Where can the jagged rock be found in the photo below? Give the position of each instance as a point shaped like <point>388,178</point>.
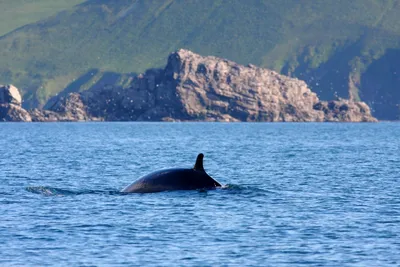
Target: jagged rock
<point>9,94</point>
<point>211,88</point>
<point>345,110</point>
<point>70,108</point>
<point>193,87</point>
<point>11,112</point>
<point>10,105</point>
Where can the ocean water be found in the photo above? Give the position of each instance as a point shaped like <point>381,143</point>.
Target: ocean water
<point>295,195</point>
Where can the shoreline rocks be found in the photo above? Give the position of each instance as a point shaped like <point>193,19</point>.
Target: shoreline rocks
<point>196,88</point>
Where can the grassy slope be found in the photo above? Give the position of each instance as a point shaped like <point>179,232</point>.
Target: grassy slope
<point>329,43</point>
<point>17,13</point>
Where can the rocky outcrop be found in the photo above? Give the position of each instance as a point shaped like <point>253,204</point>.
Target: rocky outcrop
<point>10,112</point>
<point>65,109</point>
<point>219,89</point>
<point>193,87</point>
<point>345,110</point>
<point>69,108</point>
<point>10,105</point>
<point>9,94</point>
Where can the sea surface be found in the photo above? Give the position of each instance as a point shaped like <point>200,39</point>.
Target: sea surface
<point>295,195</point>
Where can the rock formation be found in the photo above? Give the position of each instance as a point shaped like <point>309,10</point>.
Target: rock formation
<point>345,110</point>
<point>192,87</point>
<point>10,105</point>
<point>64,109</point>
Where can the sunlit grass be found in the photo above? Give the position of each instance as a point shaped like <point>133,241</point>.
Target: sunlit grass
<point>17,13</point>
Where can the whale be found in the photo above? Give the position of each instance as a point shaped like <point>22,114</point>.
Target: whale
<point>174,179</point>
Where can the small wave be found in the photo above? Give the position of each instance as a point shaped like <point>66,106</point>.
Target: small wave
<point>53,191</point>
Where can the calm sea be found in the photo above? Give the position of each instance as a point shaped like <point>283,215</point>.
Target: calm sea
<point>297,195</point>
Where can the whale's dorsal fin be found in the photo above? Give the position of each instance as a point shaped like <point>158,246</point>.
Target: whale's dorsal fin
<point>198,166</point>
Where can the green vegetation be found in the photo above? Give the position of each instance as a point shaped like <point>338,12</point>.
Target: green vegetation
<point>334,45</point>
<point>18,13</point>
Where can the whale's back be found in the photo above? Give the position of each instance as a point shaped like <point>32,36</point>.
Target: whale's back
<point>172,179</point>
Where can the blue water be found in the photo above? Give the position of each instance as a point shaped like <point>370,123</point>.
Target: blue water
<point>296,195</point>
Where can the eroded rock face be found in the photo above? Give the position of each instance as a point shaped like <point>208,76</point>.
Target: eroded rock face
<point>9,94</point>
<point>193,87</point>
<point>70,108</point>
<point>10,105</point>
<point>211,88</point>
<point>345,110</point>
<point>11,112</point>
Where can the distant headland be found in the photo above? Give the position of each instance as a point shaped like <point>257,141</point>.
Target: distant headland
<point>192,88</point>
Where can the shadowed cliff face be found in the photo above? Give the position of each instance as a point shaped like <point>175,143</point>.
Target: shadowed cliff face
<point>381,86</point>
<point>193,87</point>
<point>350,73</point>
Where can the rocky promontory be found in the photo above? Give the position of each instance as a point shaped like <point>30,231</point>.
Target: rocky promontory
<point>196,88</point>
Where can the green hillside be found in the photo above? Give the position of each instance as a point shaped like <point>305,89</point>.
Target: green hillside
<point>17,13</point>
<point>341,48</point>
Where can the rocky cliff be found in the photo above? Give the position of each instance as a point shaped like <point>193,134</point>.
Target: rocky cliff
<point>10,105</point>
<point>193,87</point>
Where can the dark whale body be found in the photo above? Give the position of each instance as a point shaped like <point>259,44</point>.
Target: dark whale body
<point>174,179</point>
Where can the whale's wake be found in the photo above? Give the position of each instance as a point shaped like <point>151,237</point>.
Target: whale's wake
<point>53,191</point>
